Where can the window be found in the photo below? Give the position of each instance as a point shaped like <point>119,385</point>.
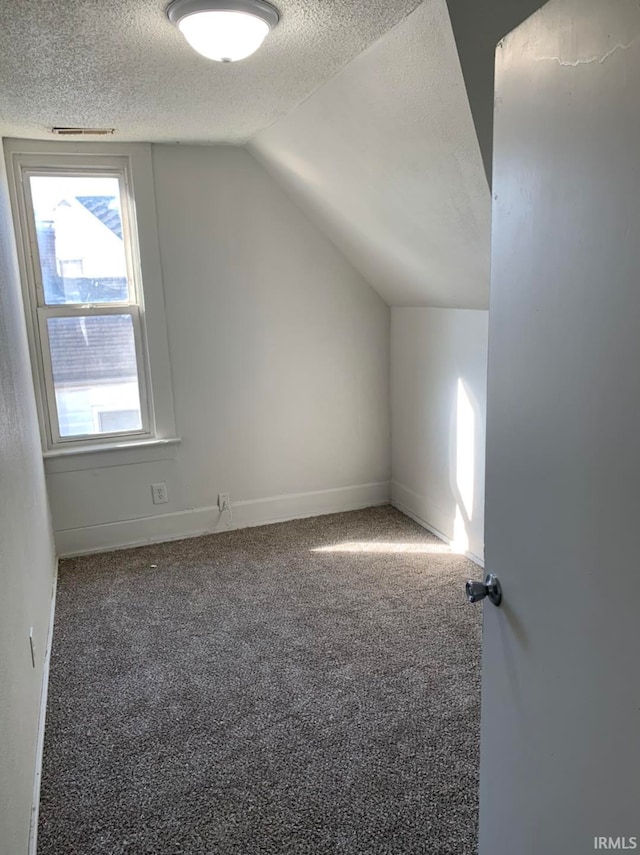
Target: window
<point>84,295</point>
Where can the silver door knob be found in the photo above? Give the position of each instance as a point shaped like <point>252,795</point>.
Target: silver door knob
<point>490,588</point>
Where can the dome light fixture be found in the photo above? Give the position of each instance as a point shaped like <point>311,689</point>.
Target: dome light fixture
<point>224,30</point>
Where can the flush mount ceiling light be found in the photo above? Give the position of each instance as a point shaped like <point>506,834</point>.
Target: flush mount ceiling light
<point>224,30</point>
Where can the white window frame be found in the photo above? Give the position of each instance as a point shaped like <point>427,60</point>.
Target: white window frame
<point>117,168</point>
<point>146,303</point>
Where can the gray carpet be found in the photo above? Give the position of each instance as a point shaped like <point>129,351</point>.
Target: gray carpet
<point>243,693</point>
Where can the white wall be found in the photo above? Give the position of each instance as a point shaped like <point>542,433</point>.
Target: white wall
<point>438,404</point>
<point>27,561</point>
<point>280,362</point>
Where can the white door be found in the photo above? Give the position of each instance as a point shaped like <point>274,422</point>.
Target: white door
<point>560,767</point>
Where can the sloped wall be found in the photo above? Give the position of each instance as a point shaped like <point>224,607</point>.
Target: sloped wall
<point>384,157</point>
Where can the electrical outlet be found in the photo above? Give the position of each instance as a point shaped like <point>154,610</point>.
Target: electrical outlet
<point>224,502</point>
<point>159,493</point>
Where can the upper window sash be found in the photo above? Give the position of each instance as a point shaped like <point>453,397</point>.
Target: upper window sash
<point>118,170</point>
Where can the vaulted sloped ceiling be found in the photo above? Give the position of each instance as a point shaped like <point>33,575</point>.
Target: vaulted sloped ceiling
<point>358,107</point>
<point>384,157</point>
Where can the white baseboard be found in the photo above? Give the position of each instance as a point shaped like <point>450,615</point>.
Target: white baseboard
<point>417,508</point>
<point>37,778</point>
<point>199,521</point>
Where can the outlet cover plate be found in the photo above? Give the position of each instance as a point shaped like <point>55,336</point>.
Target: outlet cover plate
<point>159,493</point>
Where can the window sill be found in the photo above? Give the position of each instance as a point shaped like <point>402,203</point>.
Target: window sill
<point>110,446</point>
<point>109,454</point>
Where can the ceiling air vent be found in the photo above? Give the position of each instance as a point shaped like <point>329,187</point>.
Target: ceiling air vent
<point>83,132</point>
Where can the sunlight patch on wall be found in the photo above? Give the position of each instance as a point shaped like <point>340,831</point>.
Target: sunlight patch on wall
<point>460,540</point>
<point>464,468</point>
<point>465,448</point>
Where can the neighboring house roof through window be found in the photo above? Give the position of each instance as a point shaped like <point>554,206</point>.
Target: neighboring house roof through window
<point>105,209</point>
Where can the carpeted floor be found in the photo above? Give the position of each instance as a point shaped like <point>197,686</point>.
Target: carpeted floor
<point>309,687</point>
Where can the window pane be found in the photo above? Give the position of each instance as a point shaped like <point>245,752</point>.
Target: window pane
<point>80,239</point>
<point>95,374</point>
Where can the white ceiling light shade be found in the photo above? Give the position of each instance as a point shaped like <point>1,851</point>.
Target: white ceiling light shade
<point>224,30</point>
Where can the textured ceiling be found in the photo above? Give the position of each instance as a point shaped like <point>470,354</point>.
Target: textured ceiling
<point>385,159</point>
<point>120,63</point>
